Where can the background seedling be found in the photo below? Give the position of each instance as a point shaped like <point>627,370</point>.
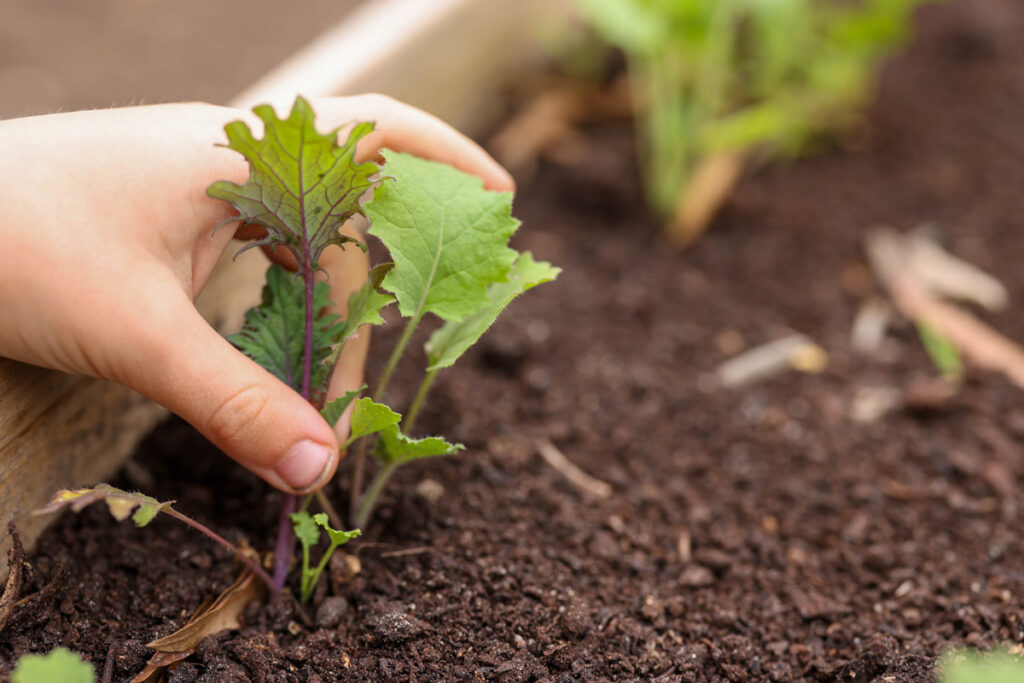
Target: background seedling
<point>717,82</point>
<point>59,664</point>
<point>448,241</point>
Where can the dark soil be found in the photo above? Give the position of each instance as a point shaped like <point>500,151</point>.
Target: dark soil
<point>754,535</point>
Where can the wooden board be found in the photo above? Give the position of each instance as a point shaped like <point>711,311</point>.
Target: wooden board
<point>446,56</point>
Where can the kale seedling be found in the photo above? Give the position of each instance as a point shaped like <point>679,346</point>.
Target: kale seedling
<point>448,241</point>
<point>302,188</point>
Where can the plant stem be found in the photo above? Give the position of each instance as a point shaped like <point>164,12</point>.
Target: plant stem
<point>417,403</point>
<point>252,564</point>
<point>369,500</point>
<point>314,575</point>
<point>285,541</point>
<point>359,459</point>
<point>396,355</point>
<point>285,530</point>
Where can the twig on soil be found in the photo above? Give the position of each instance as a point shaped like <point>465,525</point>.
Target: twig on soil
<point>108,666</point>
<point>949,276</point>
<point>406,552</point>
<point>980,343</point>
<point>795,351</point>
<point>574,474</point>
<point>15,567</point>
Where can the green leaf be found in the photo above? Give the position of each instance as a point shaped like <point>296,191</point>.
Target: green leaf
<point>452,339</point>
<point>369,418</point>
<point>337,537</point>
<point>306,529</point>
<point>397,449</point>
<point>122,504</point>
<point>302,185</point>
<point>365,304</point>
<point>58,665</point>
<point>333,410</point>
<point>447,236</point>
<point>274,332</point>
<point>628,24</point>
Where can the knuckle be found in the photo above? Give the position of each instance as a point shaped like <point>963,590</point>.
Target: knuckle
<point>237,415</point>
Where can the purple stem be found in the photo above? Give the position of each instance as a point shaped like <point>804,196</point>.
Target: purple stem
<point>285,529</point>
<point>285,540</point>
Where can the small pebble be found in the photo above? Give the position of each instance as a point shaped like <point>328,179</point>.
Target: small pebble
<point>330,612</point>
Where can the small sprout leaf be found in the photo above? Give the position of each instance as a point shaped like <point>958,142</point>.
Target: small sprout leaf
<point>452,339</point>
<point>943,352</point>
<point>369,418</point>
<point>120,503</point>
<point>396,448</point>
<point>302,185</point>
<point>365,304</point>
<point>58,665</point>
<point>306,529</point>
<point>274,332</point>
<point>332,411</point>
<point>447,235</point>
<point>337,537</point>
<point>144,514</point>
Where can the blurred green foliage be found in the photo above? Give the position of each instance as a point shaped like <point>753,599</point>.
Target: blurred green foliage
<point>58,666</point>
<point>965,666</point>
<point>945,355</point>
<point>736,75</point>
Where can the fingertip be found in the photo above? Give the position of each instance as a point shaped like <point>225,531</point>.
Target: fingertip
<point>499,180</point>
<point>306,468</point>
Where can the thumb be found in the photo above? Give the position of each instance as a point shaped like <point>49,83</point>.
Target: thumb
<point>243,409</point>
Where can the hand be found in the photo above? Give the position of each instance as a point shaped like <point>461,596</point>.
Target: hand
<point>107,243</point>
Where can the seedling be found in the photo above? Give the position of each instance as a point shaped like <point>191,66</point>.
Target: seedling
<point>307,529</point>
<point>716,82</point>
<point>448,241</point>
<point>59,664</point>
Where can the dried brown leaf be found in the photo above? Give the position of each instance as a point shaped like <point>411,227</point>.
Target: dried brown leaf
<point>157,666</point>
<point>220,615</point>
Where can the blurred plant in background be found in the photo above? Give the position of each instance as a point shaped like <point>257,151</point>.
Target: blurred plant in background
<point>967,666</point>
<point>720,83</point>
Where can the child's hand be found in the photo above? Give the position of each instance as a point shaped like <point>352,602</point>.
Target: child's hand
<point>106,237</point>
